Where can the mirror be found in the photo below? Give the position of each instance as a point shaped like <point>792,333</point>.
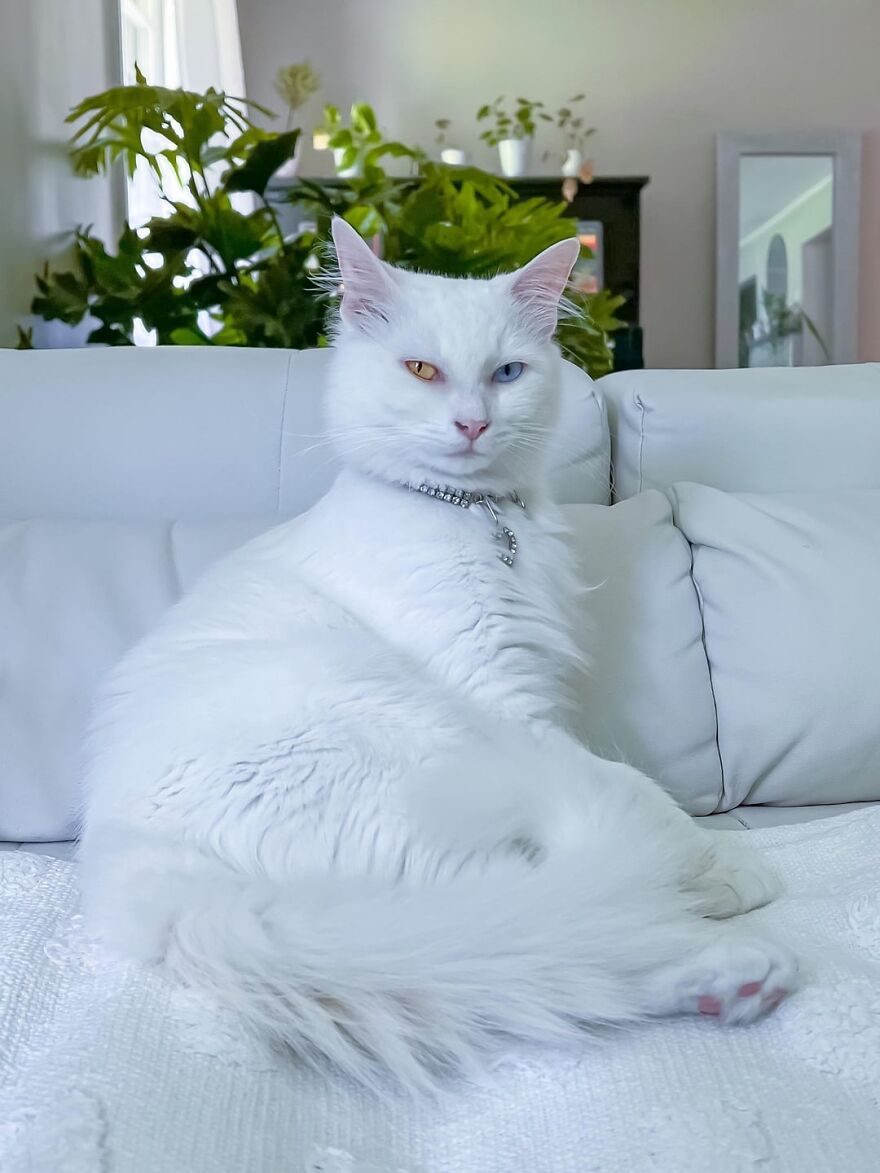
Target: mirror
<point>787,251</point>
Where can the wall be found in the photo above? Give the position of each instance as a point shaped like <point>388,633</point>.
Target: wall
<point>662,77</point>
<point>52,54</point>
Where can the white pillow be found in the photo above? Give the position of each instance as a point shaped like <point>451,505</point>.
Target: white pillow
<point>789,585</point>
<point>74,595</point>
<point>648,699</point>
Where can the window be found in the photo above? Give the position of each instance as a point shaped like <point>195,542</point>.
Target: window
<point>149,39</point>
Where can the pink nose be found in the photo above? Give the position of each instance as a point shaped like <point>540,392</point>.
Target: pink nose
<point>472,428</point>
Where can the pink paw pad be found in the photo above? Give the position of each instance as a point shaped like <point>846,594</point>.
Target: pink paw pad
<point>706,1004</point>
<point>749,989</point>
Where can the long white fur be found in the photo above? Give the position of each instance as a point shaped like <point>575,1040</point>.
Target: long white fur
<point>334,786</point>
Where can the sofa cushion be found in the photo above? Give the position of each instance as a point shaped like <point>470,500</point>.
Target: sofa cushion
<point>647,699</point>
<point>174,432</point>
<point>809,429</point>
<point>753,818</point>
<point>73,597</point>
<point>789,587</point>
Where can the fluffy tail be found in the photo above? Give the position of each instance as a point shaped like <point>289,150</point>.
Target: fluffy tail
<point>418,982</point>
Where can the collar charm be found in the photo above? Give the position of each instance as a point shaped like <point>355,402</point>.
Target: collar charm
<point>465,498</point>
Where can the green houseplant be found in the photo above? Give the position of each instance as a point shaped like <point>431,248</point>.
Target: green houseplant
<point>208,272</point>
<point>205,270</point>
<point>574,133</point>
<point>512,131</point>
<point>781,322</point>
<point>453,156</point>
<point>295,84</point>
<point>360,144</point>
<point>463,222</point>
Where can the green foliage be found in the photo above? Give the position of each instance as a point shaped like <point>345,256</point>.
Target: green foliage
<point>203,255</point>
<point>361,141</point>
<point>207,257</point>
<point>441,128</point>
<point>520,122</point>
<point>784,319</point>
<point>583,335</point>
<point>574,130</point>
<point>170,130</point>
<point>296,84</point>
<point>463,222</point>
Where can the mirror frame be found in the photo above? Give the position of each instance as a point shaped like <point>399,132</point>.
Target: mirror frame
<point>845,150</point>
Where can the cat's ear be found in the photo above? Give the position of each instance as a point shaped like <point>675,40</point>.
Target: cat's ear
<point>540,284</point>
<point>367,286</point>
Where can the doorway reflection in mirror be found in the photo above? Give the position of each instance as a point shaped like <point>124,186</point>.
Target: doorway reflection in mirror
<point>786,220</point>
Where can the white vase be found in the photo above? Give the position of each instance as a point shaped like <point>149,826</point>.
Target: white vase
<point>453,157</point>
<point>514,156</point>
<point>355,171</point>
<point>572,163</point>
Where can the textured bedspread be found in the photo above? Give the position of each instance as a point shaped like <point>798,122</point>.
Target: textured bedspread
<point>107,1069</point>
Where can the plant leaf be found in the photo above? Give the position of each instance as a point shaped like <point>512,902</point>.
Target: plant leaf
<point>262,163</point>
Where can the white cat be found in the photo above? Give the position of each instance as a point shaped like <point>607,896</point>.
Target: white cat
<point>334,787</point>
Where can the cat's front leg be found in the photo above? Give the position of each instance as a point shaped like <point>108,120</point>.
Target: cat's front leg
<point>725,876</point>
<point>504,785</point>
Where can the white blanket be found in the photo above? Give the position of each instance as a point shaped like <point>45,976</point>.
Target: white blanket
<point>108,1069</point>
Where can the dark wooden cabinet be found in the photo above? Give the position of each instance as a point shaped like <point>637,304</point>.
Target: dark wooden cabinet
<point>613,202</point>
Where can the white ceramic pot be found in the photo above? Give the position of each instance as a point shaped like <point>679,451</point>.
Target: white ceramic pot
<point>572,163</point>
<point>354,172</point>
<point>453,157</point>
<point>514,154</point>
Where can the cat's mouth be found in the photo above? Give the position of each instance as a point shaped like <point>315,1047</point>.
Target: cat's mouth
<point>470,448</point>
<point>469,453</point>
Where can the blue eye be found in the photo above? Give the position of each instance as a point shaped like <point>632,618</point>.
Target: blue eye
<point>508,373</point>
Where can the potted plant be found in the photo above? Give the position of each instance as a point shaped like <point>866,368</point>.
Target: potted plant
<point>295,84</point>
<point>208,272</point>
<point>574,135</point>
<point>776,340</point>
<point>350,144</point>
<point>513,132</point>
<point>451,156</point>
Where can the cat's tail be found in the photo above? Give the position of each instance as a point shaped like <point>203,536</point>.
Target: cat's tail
<point>421,981</point>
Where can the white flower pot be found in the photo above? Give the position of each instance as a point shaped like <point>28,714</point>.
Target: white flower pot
<point>572,163</point>
<point>514,155</point>
<point>354,172</point>
<point>453,157</point>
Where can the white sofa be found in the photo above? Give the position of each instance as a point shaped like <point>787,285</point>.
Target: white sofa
<point>732,624</point>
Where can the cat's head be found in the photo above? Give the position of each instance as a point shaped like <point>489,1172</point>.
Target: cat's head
<point>450,380</point>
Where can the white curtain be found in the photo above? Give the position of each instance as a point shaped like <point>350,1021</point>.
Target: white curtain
<point>190,43</point>
<point>209,45</point>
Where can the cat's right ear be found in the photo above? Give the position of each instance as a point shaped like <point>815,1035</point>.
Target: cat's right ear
<point>367,287</point>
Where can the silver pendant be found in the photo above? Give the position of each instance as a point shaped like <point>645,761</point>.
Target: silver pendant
<point>510,557</point>
<point>464,498</point>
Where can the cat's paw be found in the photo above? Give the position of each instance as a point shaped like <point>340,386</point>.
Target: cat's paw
<point>737,978</point>
<point>735,881</point>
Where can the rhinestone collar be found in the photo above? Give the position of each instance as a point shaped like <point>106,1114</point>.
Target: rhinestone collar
<point>490,502</point>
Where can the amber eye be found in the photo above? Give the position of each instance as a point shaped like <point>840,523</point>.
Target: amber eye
<point>422,370</point>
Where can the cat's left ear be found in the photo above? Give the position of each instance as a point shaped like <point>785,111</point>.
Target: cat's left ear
<point>540,284</point>
<point>367,286</point>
